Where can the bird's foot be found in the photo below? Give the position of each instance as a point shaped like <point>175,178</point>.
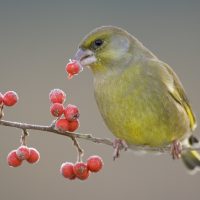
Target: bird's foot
<point>176,149</point>
<point>118,145</point>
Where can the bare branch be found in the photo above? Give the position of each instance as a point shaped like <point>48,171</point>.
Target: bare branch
<point>25,126</point>
<point>89,137</point>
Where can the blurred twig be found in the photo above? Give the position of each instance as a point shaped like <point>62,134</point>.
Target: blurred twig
<point>1,111</point>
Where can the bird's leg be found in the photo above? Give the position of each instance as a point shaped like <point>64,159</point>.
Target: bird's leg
<point>118,145</point>
<point>176,149</point>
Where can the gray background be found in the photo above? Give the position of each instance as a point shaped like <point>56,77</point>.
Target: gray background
<point>36,40</point>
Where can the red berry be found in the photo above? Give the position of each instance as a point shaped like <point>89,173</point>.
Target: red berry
<point>73,68</point>
<point>10,98</point>
<point>62,125</point>
<point>94,163</point>
<point>13,160</point>
<point>34,156</point>
<point>57,96</point>
<point>67,171</point>
<point>73,125</point>
<point>57,109</point>
<point>81,170</point>
<point>1,98</point>
<point>71,112</point>
<point>23,152</point>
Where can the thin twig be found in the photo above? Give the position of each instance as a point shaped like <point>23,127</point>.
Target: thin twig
<point>89,137</point>
<point>1,111</point>
<point>79,149</point>
<point>23,137</point>
<point>25,126</point>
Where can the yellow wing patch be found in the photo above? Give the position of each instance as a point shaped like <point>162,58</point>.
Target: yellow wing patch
<point>191,117</point>
<point>187,108</point>
<point>178,93</point>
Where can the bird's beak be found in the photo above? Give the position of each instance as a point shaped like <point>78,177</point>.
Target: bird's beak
<point>85,57</point>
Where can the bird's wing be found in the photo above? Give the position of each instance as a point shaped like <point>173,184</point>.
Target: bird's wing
<point>177,92</point>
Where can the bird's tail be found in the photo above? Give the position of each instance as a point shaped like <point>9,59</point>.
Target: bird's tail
<point>191,159</point>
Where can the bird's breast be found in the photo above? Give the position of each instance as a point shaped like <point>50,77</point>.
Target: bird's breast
<point>138,109</point>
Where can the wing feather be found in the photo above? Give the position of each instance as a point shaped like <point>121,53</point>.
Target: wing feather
<point>179,95</point>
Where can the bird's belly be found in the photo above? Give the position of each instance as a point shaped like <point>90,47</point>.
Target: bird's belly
<point>142,118</point>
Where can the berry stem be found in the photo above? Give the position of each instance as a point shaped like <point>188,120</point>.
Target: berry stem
<point>80,151</point>
<point>23,137</point>
<point>53,124</point>
<point>1,111</point>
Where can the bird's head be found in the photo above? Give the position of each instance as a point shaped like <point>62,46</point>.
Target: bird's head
<point>105,48</point>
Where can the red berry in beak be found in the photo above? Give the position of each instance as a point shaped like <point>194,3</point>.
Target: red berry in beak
<point>73,68</point>
<point>10,98</point>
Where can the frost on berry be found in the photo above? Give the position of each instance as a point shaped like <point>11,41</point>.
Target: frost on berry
<point>10,98</point>
<point>94,163</point>
<point>81,170</point>
<point>23,152</point>
<point>62,125</point>
<point>73,125</point>
<point>1,98</point>
<point>57,96</point>
<point>67,171</point>
<point>71,112</point>
<point>34,156</point>
<point>57,109</point>
<point>73,68</point>
<point>13,160</point>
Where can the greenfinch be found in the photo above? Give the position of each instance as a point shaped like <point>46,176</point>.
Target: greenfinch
<point>140,98</point>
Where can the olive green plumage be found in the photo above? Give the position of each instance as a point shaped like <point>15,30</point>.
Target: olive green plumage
<point>140,97</point>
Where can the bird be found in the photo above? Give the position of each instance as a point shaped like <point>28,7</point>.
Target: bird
<point>141,99</point>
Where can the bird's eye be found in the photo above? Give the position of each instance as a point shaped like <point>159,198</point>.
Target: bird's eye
<point>97,43</point>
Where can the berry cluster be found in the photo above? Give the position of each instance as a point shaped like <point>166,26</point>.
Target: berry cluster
<point>16,157</point>
<point>70,113</point>
<point>67,120</point>
<point>81,170</point>
<point>10,98</point>
<point>73,68</point>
